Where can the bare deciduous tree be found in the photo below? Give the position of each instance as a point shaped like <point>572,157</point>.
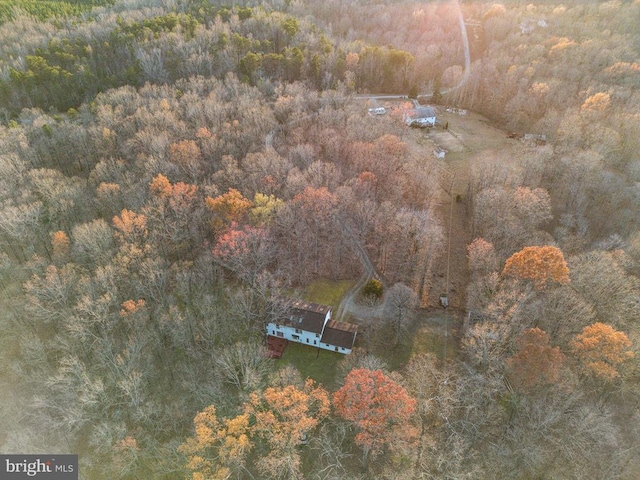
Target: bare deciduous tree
<point>244,365</point>
<point>399,308</point>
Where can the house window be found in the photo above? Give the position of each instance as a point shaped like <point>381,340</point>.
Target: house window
<point>295,337</point>
<point>336,349</point>
<point>317,335</point>
<point>273,332</point>
<point>298,330</point>
<point>280,334</point>
<point>315,342</point>
<point>307,340</point>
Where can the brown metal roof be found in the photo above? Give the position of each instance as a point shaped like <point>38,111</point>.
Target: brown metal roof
<point>310,306</point>
<point>340,334</point>
<point>305,315</point>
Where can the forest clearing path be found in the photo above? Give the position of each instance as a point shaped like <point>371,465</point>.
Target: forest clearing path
<point>469,140</point>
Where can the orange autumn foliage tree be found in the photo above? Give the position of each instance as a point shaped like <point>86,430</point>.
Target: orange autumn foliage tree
<point>541,265</point>
<point>60,243</point>
<point>601,350</point>
<point>184,152</point>
<point>106,189</point>
<point>186,155</point>
<point>536,362</point>
<point>131,226</point>
<point>218,447</point>
<point>599,102</point>
<point>315,202</point>
<point>275,422</point>
<point>282,418</point>
<point>161,186</point>
<point>129,307</point>
<point>178,197</point>
<point>227,208</point>
<point>380,409</point>
<point>173,214</point>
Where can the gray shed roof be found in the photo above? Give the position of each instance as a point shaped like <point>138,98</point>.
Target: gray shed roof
<point>422,112</point>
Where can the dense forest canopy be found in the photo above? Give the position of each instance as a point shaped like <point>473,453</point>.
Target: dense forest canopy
<point>170,170</point>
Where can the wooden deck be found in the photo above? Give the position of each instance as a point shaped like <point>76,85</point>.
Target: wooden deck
<point>276,346</point>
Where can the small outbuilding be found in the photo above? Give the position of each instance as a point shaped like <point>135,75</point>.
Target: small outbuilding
<point>540,139</point>
<point>439,152</point>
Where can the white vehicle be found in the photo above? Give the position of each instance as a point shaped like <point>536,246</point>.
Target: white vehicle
<point>377,111</point>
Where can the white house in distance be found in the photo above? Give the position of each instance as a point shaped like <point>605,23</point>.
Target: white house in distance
<point>420,116</point>
<point>310,324</point>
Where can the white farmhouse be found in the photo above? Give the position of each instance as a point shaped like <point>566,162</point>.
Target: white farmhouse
<point>310,324</point>
<point>420,117</point>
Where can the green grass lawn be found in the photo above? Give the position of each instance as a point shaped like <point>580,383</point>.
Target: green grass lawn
<point>315,363</point>
<point>437,340</point>
<point>426,335</point>
<point>327,292</point>
<point>428,341</point>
